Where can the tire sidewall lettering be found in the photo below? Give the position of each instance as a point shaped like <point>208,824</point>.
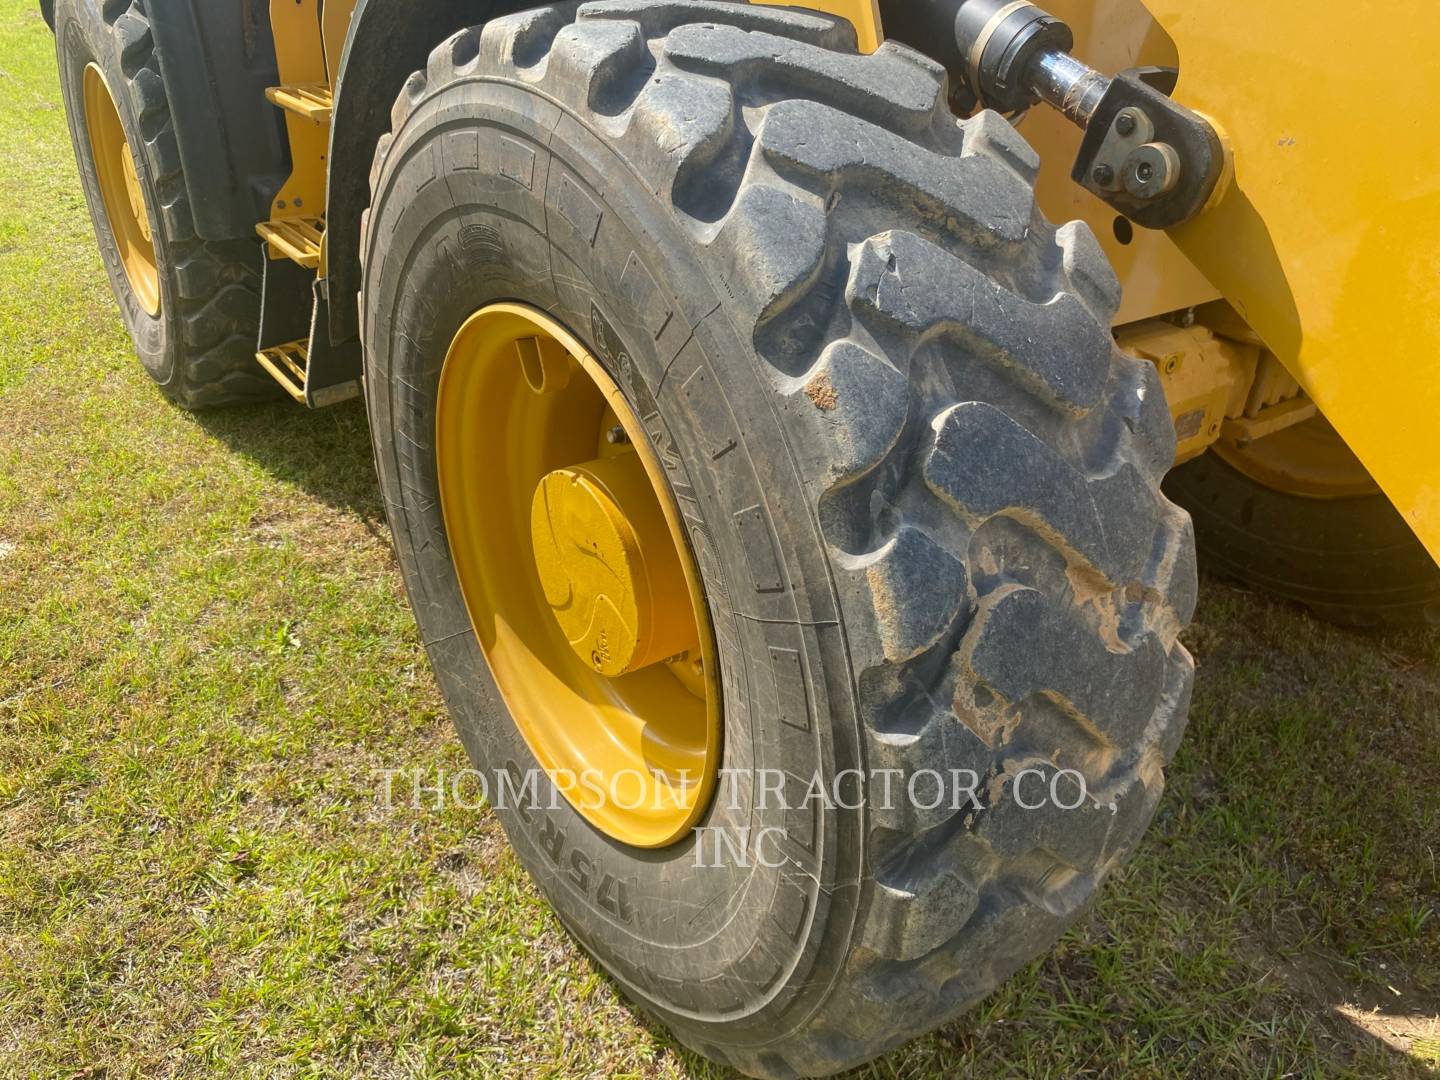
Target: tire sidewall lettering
<point>617,902</point>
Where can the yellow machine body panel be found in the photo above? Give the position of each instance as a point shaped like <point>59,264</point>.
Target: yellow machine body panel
<point>864,14</point>
<point>301,64</point>
<point>1328,239</point>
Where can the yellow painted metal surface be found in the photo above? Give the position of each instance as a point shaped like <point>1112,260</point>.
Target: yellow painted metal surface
<point>300,58</point>
<point>1206,378</point>
<point>864,14</point>
<point>1111,35</point>
<point>286,364</point>
<point>608,565</point>
<point>334,25</point>
<point>1306,458</point>
<point>1328,241</point>
<point>522,410</point>
<point>296,238</point>
<point>312,101</point>
<point>120,190</point>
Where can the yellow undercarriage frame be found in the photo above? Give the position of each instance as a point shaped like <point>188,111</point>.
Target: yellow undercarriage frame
<point>577,574</point>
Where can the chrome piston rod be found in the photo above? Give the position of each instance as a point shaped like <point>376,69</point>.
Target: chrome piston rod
<point>1065,83</point>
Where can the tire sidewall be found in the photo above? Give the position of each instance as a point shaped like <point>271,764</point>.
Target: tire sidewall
<point>82,36</point>
<point>627,280</point>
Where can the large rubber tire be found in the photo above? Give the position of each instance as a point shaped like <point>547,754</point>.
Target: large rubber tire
<point>200,347</point>
<point>1351,561</point>
<point>922,486</point>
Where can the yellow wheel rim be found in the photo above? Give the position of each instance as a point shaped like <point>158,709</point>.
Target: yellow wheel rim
<point>577,574</point>
<point>120,190</point>
<point>1309,460</point>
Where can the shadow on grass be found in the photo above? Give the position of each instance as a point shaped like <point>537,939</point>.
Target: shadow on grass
<point>1305,800</point>
<point>325,452</point>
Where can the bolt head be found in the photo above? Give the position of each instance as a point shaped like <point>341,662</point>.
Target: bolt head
<point>1103,175</point>
<point>1125,123</point>
<point>1151,170</point>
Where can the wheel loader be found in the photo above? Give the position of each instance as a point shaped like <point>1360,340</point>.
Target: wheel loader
<point>753,440</point>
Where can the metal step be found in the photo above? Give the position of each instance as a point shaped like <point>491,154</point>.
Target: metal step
<point>310,100</point>
<point>287,363</point>
<point>294,345</point>
<point>297,239</point>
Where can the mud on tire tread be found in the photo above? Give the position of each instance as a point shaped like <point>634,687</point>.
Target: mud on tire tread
<point>984,463</point>
<point>201,349</point>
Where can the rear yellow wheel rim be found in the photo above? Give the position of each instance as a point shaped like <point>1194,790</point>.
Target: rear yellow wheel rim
<point>120,190</point>
<point>1309,460</point>
<point>575,568</point>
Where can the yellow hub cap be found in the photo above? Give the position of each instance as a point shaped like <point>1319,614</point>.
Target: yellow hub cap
<point>576,571</point>
<point>609,566</point>
<point>120,190</point>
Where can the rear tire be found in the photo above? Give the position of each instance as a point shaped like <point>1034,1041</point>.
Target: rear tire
<point>200,344</point>
<point>922,486</point>
<point>1351,561</point>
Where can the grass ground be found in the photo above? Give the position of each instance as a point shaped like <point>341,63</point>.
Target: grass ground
<point>206,656</point>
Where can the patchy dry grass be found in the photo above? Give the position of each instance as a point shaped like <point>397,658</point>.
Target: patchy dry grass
<point>205,656</point>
